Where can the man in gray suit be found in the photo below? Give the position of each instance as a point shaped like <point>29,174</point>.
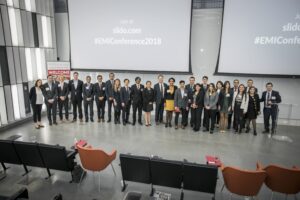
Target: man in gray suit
<point>181,103</point>
<point>159,96</point>
<point>50,95</point>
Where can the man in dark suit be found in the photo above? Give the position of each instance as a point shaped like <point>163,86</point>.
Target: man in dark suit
<point>181,103</point>
<point>126,102</point>
<point>204,88</point>
<point>63,100</point>
<point>88,99</point>
<point>137,100</point>
<point>271,99</point>
<point>109,85</point>
<point>159,93</point>
<point>75,87</point>
<point>234,90</point>
<point>50,95</point>
<point>249,85</point>
<point>99,92</point>
<point>190,88</point>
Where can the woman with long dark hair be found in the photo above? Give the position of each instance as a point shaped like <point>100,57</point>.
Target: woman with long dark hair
<point>36,100</point>
<point>210,104</point>
<point>240,106</point>
<point>148,99</point>
<point>169,101</point>
<point>225,100</point>
<point>197,105</point>
<point>253,110</point>
<point>117,101</point>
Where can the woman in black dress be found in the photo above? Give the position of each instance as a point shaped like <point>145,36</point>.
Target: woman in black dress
<point>148,99</point>
<point>197,105</point>
<point>117,100</point>
<point>253,110</point>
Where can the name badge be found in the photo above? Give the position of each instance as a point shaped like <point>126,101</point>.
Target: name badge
<point>185,94</point>
<point>103,88</point>
<point>273,97</point>
<point>227,95</point>
<point>141,89</point>
<point>168,91</point>
<point>59,85</point>
<point>87,87</point>
<point>47,89</point>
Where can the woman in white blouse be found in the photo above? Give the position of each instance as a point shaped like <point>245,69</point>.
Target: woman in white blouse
<point>36,101</point>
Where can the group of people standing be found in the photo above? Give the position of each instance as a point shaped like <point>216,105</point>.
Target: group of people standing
<point>219,104</point>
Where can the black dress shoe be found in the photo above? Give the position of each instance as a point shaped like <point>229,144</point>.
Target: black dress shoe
<point>255,133</point>
<point>86,120</point>
<point>92,120</point>
<point>247,130</point>
<point>266,131</point>
<point>124,123</point>
<point>170,125</point>
<point>166,125</point>
<point>50,123</point>
<point>272,132</point>
<point>133,123</point>
<point>128,122</point>
<point>74,120</point>
<point>55,123</point>
<point>115,122</point>
<point>140,123</point>
<point>109,120</point>
<point>211,131</point>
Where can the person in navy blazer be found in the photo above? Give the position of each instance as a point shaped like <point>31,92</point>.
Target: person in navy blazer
<point>190,88</point>
<point>63,100</point>
<point>271,99</point>
<point>137,100</point>
<point>88,99</point>
<point>75,88</point>
<point>100,98</point>
<point>159,96</point>
<point>109,93</point>
<point>126,101</point>
<point>50,95</point>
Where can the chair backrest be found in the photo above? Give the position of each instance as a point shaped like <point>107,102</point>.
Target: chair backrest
<point>242,182</point>
<point>93,159</point>
<point>201,178</point>
<point>8,153</point>
<point>283,180</point>
<point>166,172</point>
<point>135,168</point>
<point>29,153</point>
<point>55,157</point>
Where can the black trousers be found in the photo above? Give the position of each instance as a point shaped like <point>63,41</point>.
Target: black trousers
<point>270,113</point>
<point>77,104</point>
<point>238,119</point>
<point>37,112</point>
<point>100,109</point>
<point>51,111</point>
<point>117,114</point>
<point>89,105</point>
<point>137,107</point>
<point>187,114</point>
<point>159,111</point>
<point>63,105</point>
<point>210,118</point>
<point>205,118</point>
<point>126,112</point>
<point>196,117</point>
<point>109,104</point>
<point>183,113</point>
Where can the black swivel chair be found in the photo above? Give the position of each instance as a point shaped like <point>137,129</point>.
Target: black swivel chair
<point>57,157</point>
<point>135,168</point>
<point>166,173</point>
<point>201,178</point>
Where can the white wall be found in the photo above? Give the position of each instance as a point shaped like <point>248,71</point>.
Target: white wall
<point>206,29</point>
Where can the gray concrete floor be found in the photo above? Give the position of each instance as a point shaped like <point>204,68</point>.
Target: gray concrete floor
<point>237,150</point>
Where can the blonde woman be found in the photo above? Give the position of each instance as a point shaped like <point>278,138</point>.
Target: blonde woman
<point>117,101</point>
<point>210,107</point>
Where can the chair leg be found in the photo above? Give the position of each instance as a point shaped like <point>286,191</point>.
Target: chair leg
<point>99,182</point>
<point>286,196</point>
<point>222,187</point>
<point>81,177</point>
<point>272,195</point>
<point>230,196</point>
<point>113,168</point>
<point>296,197</point>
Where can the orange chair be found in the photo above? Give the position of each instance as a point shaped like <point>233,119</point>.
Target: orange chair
<point>95,160</point>
<point>243,182</point>
<point>282,180</point>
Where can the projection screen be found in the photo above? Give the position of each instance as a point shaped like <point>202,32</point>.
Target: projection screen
<point>260,37</point>
<point>143,35</point>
